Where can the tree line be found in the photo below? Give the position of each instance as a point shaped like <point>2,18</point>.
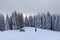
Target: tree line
<point>44,21</point>
<point>17,21</point>
<point>14,22</point>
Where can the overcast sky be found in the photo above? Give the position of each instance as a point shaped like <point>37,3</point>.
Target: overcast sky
<point>27,6</point>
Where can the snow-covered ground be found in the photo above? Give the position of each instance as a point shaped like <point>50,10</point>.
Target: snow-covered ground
<point>30,34</point>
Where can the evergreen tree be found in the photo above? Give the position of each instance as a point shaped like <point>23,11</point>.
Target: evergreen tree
<point>48,21</point>
<point>26,21</point>
<point>11,23</point>
<point>38,21</point>
<point>43,18</point>
<point>30,21</point>
<point>14,18</point>
<point>20,22</point>
<point>2,25</point>
<point>59,22</point>
<point>7,23</point>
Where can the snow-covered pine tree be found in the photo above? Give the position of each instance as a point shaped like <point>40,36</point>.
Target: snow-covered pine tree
<point>34,21</point>
<point>48,21</point>
<point>53,21</point>
<point>2,25</point>
<point>36,17</point>
<point>20,22</point>
<point>30,21</point>
<point>38,21</point>
<point>43,21</point>
<point>7,23</point>
<point>56,24</point>
<point>59,23</point>
<point>26,21</point>
<point>10,23</point>
<point>14,18</point>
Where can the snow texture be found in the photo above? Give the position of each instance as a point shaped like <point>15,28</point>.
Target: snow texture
<point>30,34</point>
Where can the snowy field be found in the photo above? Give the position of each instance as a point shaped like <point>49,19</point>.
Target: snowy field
<point>30,34</point>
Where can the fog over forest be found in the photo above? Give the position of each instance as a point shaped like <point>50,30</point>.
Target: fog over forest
<point>30,6</point>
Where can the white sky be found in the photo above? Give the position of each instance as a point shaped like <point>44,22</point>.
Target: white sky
<point>29,6</point>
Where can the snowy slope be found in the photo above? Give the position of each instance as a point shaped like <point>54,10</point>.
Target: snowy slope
<point>29,34</point>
